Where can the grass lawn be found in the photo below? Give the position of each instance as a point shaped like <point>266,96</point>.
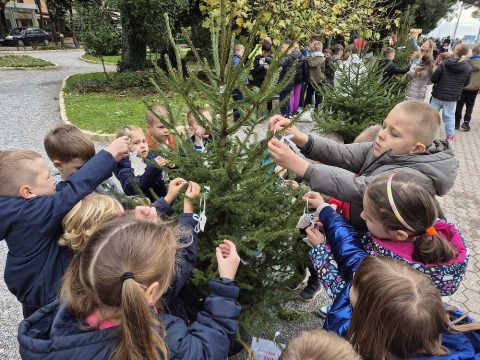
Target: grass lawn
<point>106,113</point>
<point>23,61</point>
<point>109,59</point>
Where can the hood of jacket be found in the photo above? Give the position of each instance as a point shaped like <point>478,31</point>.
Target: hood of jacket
<point>354,59</point>
<point>456,66</point>
<point>315,61</point>
<point>438,163</point>
<point>474,63</point>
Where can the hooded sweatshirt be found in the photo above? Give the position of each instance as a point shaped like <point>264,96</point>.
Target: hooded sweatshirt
<point>450,78</point>
<point>347,169</point>
<point>54,333</point>
<point>474,83</point>
<point>316,68</point>
<point>31,228</point>
<point>419,79</point>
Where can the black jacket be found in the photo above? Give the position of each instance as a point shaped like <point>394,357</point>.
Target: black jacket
<point>450,78</point>
<point>390,69</point>
<point>285,63</point>
<point>259,72</point>
<point>301,74</point>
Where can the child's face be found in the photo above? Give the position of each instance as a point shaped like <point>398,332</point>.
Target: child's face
<point>374,225</point>
<point>426,46</point>
<point>193,124</point>
<point>67,168</point>
<point>159,131</point>
<point>398,133</point>
<point>44,183</point>
<point>328,55</point>
<point>138,143</point>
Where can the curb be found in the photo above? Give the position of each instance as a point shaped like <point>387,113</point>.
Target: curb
<point>30,68</point>
<point>63,115</point>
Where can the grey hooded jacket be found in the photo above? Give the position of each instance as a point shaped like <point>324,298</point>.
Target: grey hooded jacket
<point>347,169</point>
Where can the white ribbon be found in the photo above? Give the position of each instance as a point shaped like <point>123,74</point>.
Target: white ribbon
<point>201,218</point>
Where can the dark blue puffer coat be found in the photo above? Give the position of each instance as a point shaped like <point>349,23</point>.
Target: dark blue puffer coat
<point>349,254</point>
<point>54,333</point>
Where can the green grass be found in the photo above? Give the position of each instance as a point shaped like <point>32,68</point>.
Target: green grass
<point>74,79</point>
<point>109,59</point>
<point>23,61</point>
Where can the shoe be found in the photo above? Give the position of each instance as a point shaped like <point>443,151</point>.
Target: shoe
<point>450,140</point>
<point>296,284</point>
<point>324,310</point>
<point>466,126</point>
<point>457,126</point>
<point>311,291</point>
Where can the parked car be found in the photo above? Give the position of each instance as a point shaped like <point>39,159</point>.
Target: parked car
<point>29,36</point>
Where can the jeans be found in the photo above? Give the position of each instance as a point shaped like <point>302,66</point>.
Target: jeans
<point>285,108</point>
<point>448,113</point>
<point>468,99</point>
<point>313,96</point>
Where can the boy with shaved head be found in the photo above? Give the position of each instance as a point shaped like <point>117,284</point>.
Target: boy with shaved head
<point>404,143</point>
<point>157,131</point>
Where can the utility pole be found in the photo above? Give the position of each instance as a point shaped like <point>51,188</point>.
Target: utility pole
<point>458,20</point>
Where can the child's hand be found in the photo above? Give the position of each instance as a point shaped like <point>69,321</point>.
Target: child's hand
<point>228,260</point>
<point>174,188</point>
<point>119,147</point>
<point>278,123</point>
<point>162,162</point>
<point>314,199</point>
<point>146,213</point>
<point>314,236</point>
<point>192,193</point>
<point>285,157</point>
<point>291,184</point>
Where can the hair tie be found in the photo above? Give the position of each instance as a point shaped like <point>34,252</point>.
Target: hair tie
<point>393,206</point>
<point>126,275</point>
<point>431,231</point>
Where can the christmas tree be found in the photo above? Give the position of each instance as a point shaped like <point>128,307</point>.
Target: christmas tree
<point>361,97</point>
<point>246,202</point>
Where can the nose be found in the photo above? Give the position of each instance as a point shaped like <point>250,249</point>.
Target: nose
<point>381,134</point>
<point>362,215</point>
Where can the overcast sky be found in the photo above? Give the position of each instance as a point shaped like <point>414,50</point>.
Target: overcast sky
<point>467,26</point>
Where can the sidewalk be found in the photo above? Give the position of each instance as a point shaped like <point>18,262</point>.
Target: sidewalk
<point>462,207</point>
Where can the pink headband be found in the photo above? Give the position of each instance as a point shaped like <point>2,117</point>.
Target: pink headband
<point>393,206</point>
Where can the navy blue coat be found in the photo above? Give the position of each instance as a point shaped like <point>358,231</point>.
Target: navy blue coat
<point>54,333</point>
<point>349,254</point>
<point>31,228</point>
<point>151,179</point>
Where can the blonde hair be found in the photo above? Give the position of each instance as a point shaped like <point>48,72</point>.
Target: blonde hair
<point>426,119</point>
<point>16,170</point>
<point>157,112</point>
<point>67,142</point>
<point>191,115</point>
<point>319,344</point>
<point>126,129</point>
<point>85,217</point>
<point>147,252</point>
<point>368,135</point>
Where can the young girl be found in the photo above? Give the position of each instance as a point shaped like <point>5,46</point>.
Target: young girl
<point>148,181</point>
<point>420,76</point>
<point>425,49</point>
<point>387,310</point>
<point>125,269</point>
<point>402,221</point>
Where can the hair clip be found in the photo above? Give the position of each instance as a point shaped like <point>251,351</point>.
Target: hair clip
<point>431,231</point>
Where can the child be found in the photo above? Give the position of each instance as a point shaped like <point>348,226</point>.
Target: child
<point>387,309</point>
<point>261,63</point>
<point>301,75</point>
<point>442,57</point>
<point>316,70</point>
<point>237,94</point>
<point>68,148</point>
<point>126,267</point>
<point>419,51</point>
<point>368,135</point>
<point>405,142</point>
<point>196,132</point>
<point>331,63</point>
<point>389,67</point>
<point>419,76</point>
<point>150,182</point>
<point>286,62</point>
<point>351,68</point>
<point>449,79</point>
<point>157,132</point>
<point>32,212</point>
<point>469,93</point>
<point>402,221</point>
<point>319,345</point>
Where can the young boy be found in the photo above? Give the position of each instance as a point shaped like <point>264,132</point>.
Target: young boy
<point>196,132</point>
<point>316,70</point>
<point>332,62</point>
<point>157,132</point>
<point>449,80</point>
<point>469,93</point>
<point>32,209</point>
<point>261,64</point>
<point>405,142</point>
<point>389,67</point>
<point>286,63</point>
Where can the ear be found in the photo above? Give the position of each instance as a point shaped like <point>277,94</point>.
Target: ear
<point>25,192</point>
<point>400,235</point>
<point>151,293</point>
<point>419,148</point>
<point>58,165</point>
<point>149,126</point>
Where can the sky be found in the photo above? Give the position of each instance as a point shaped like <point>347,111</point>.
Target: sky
<point>467,25</point>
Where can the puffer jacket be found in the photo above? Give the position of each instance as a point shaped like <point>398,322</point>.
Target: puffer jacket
<point>347,169</point>
<point>316,68</point>
<point>349,254</point>
<point>474,83</point>
<point>419,80</point>
<point>450,78</point>
<point>301,66</point>
<point>54,333</point>
<point>390,69</point>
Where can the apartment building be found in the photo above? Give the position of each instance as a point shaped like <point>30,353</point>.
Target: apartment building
<point>27,13</point>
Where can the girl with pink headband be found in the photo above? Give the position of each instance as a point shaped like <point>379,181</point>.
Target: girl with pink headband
<point>404,222</point>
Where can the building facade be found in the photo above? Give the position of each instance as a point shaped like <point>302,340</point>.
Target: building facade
<point>27,13</point>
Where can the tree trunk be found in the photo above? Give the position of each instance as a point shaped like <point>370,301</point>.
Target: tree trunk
<point>3,20</point>
<point>134,52</point>
<point>74,34</point>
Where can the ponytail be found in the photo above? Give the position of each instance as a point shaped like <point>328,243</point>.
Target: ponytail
<point>139,329</point>
<point>433,249</point>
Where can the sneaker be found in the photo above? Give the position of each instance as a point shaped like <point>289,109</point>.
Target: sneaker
<point>296,284</point>
<point>324,310</point>
<point>311,291</point>
<point>457,126</point>
<point>450,140</point>
<point>466,126</point>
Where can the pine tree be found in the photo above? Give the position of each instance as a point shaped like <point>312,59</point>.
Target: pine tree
<point>246,203</point>
<point>360,98</point>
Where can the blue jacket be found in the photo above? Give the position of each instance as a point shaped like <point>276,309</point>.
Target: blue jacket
<point>31,228</point>
<point>151,179</point>
<point>349,254</point>
<point>55,333</point>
